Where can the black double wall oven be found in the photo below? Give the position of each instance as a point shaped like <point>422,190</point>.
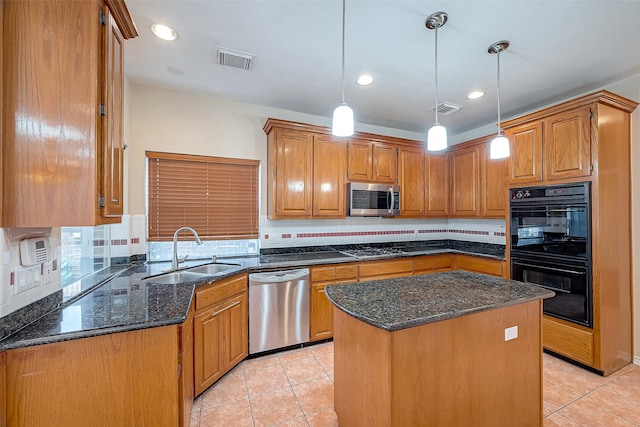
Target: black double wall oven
<point>550,242</point>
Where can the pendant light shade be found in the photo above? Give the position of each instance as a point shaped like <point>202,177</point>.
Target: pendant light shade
<point>342,121</point>
<point>437,135</point>
<point>499,146</point>
<point>343,115</point>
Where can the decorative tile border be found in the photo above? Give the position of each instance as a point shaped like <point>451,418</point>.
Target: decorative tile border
<point>352,233</point>
<point>476,232</point>
<point>99,242</point>
<point>119,242</point>
<point>443,230</point>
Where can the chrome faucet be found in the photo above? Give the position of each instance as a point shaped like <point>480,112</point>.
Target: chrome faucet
<point>174,260</point>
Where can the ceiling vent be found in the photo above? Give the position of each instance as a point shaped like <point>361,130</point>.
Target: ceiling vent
<point>235,58</point>
<point>446,108</point>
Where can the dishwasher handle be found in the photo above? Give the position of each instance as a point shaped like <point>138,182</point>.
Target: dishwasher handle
<point>278,276</point>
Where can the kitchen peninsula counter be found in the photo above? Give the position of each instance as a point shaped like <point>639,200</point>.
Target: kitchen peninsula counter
<point>452,348</point>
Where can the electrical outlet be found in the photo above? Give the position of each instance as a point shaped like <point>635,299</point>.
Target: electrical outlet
<point>511,333</point>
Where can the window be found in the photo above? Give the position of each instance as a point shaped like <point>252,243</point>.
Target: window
<point>84,250</point>
<point>218,197</point>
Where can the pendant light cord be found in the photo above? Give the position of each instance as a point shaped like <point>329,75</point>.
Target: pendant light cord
<point>498,90</point>
<point>436,73</point>
<point>343,27</point>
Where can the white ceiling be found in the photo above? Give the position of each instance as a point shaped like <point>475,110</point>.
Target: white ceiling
<point>558,49</point>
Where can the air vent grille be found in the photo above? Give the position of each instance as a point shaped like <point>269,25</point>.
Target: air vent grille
<point>235,58</point>
<point>446,108</point>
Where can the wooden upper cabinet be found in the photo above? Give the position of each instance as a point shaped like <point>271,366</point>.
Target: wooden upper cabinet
<point>293,196</point>
<point>385,162</point>
<point>329,173</point>
<point>567,145</point>
<point>525,161</point>
<point>411,178</point>
<point>372,161</point>
<point>493,185</point>
<point>360,160</point>
<point>555,147</point>
<point>111,191</point>
<point>465,182</point>
<point>62,112</point>
<point>437,185</point>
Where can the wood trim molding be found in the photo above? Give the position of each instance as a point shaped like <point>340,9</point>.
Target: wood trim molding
<point>123,18</point>
<point>199,158</point>
<point>603,97</point>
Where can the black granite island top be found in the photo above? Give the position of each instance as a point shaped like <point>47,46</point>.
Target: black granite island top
<point>406,302</point>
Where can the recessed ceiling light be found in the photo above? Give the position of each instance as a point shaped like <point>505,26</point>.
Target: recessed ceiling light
<point>164,32</point>
<point>364,80</point>
<point>475,94</point>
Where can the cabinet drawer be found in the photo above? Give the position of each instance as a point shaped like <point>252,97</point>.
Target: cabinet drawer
<point>385,269</point>
<point>574,343</point>
<point>218,291</point>
<point>424,264</point>
<point>323,274</point>
<point>443,262</point>
<point>480,265</point>
<point>344,272</point>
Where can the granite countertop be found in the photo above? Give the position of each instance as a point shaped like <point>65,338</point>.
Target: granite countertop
<point>117,299</point>
<point>405,302</point>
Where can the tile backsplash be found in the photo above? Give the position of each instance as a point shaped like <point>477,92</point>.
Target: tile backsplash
<point>283,233</point>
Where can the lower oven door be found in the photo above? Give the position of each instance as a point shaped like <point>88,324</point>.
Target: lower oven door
<point>570,282</point>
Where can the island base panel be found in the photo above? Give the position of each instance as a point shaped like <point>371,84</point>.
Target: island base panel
<point>459,371</point>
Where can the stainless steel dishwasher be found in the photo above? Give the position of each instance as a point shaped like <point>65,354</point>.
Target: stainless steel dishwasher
<point>278,309</point>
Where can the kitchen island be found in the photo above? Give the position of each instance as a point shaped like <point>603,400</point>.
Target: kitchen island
<point>442,349</point>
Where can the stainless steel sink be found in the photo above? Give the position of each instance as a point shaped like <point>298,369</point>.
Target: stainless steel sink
<point>210,269</point>
<point>175,277</point>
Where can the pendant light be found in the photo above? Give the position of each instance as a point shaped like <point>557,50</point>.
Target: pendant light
<point>499,146</point>
<point>343,115</point>
<point>437,135</point>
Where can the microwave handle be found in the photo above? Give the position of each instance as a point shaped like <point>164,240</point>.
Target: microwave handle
<point>390,200</point>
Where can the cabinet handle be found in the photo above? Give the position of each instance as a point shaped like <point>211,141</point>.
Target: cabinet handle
<point>215,313</point>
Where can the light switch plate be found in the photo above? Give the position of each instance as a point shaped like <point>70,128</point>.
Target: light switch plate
<point>511,333</point>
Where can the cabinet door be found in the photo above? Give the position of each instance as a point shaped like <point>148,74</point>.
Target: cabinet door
<point>185,359</point>
<point>411,177</point>
<point>112,150</point>
<point>525,162</point>
<point>465,183</point>
<point>234,323</point>
<point>320,314</point>
<point>385,162</point>
<point>329,173</point>
<point>493,185</point>
<point>437,185</point>
<point>206,351</point>
<point>294,173</point>
<point>567,145</point>
<point>360,160</point>
<point>49,113</point>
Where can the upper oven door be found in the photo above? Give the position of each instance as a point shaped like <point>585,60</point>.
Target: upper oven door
<point>560,229</point>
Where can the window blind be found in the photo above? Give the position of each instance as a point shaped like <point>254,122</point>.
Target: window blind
<point>218,197</point>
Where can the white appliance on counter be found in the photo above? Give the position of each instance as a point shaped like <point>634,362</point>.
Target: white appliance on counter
<point>278,309</point>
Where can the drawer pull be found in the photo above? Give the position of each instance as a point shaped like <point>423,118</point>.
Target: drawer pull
<point>215,313</point>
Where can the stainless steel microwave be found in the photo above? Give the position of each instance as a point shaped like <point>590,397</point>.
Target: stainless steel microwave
<point>372,199</point>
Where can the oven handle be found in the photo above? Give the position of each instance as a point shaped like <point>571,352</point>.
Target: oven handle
<point>560,270</point>
<point>544,209</point>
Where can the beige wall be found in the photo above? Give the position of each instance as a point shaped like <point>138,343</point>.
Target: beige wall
<point>171,121</point>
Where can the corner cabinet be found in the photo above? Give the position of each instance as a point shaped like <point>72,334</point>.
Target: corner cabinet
<point>588,139</point>
<point>62,113</point>
<point>306,172</point>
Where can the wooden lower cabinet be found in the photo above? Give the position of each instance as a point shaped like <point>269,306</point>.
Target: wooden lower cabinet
<point>433,263</point>
<point>185,372</point>
<point>122,379</point>
<point>476,264</point>
<point>221,331</point>
<point>569,340</point>
<point>320,309</point>
<point>376,270</point>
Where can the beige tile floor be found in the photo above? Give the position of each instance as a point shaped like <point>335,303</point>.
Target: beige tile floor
<point>295,388</point>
